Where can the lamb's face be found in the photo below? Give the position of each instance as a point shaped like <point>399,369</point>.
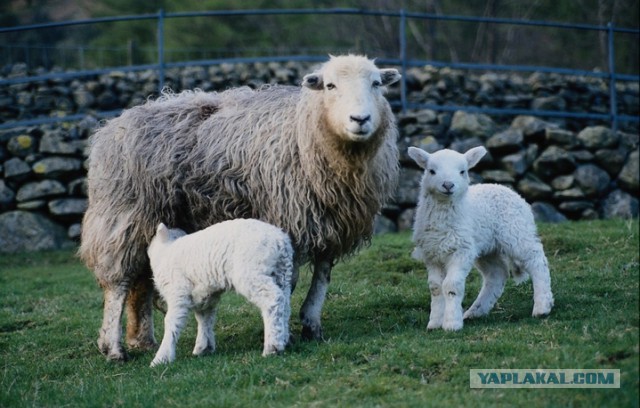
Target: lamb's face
<point>446,172</point>
<point>353,93</point>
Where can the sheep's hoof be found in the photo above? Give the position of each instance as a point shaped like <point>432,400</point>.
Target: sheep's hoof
<point>273,350</point>
<point>113,354</point>
<point>434,325</point>
<point>142,345</point>
<point>313,332</point>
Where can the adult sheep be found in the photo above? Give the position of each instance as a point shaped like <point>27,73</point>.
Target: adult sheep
<point>318,161</point>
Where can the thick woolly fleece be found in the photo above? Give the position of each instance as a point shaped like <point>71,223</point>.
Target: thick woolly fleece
<point>457,226</point>
<point>318,161</point>
<point>191,272</point>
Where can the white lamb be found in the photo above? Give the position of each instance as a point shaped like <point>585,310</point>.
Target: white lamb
<point>192,271</point>
<point>457,225</point>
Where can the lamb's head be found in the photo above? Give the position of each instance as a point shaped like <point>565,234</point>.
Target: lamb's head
<point>353,94</point>
<point>446,172</point>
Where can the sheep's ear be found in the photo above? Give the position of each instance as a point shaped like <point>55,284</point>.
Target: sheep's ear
<point>474,155</point>
<point>419,156</point>
<point>389,76</point>
<point>313,81</point>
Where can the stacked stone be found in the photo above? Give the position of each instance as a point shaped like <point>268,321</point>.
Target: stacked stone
<point>118,90</point>
<point>564,175</point>
<point>43,190</point>
<point>566,170</point>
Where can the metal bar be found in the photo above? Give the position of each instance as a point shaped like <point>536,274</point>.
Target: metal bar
<point>613,94</point>
<point>403,58</point>
<point>334,11</point>
<point>161,66</point>
<point>77,22</point>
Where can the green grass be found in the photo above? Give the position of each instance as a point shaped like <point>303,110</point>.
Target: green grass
<point>377,353</point>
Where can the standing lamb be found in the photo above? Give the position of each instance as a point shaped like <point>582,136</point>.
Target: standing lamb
<point>318,161</point>
<point>191,271</point>
<point>486,224</point>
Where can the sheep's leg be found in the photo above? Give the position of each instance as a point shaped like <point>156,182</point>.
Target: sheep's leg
<point>436,276</point>
<point>538,268</point>
<point>206,318</point>
<point>111,331</point>
<point>274,304</point>
<point>311,310</point>
<point>174,322</point>
<point>140,333</point>
<point>494,276</point>
<point>453,292</point>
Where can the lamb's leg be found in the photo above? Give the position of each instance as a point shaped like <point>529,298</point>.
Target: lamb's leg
<point>311,310</point>
<point>274,304</point>
<point>206,318</point>
<point>537,267</point>
<point>494,276</point>
<point>436,276</point>
<point>453,291</point>
<point>111,331</point>
<point>140,333</point>
<point>174,321</point>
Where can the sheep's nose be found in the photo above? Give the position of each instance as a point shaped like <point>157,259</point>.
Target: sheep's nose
<point>448,185</point>
<point>360,119</point>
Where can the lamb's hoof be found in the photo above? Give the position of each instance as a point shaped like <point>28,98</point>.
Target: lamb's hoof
<point>159,361</point>
<point>542,309</point>
<point>452,326</point>
<point>313,332</point>
<point>541,312</point>
<point>471,314</point>
<point>203,351</point>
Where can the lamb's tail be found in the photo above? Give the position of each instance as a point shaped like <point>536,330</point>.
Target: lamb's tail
<point>519,276</point>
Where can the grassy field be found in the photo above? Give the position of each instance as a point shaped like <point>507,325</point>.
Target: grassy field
<point>377,352</point>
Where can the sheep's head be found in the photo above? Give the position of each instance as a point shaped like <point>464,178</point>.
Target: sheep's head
<point>353,92</point>
<point>446,172</point>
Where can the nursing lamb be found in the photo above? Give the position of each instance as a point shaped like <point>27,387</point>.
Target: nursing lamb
<point>192,271</point>
<point>457,225</point>
<point>318,161</point>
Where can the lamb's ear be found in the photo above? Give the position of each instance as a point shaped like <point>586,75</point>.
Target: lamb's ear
<point>313,81</point>
<point>474,155</point>
<point>419,156</point>
<point>162,231</point>
<point>389,76</point>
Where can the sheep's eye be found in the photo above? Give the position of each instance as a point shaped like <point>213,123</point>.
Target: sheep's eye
<point>432,172</point>
<point>462,172</point>
<point>331,86</point>
<point>376,84</point>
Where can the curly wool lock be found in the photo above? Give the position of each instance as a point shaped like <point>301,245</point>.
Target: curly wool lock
<point>457,225</point>
<point>317,161</point>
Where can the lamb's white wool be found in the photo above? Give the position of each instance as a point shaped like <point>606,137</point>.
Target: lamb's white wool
<point>192,271</point>
<point>457,225</point>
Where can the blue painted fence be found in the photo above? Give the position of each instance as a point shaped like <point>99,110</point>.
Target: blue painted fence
<point>403,60</point>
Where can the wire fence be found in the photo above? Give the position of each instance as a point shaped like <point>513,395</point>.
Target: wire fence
<point>402,59</point>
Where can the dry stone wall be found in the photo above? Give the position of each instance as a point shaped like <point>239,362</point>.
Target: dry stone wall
<point>567,169</point>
